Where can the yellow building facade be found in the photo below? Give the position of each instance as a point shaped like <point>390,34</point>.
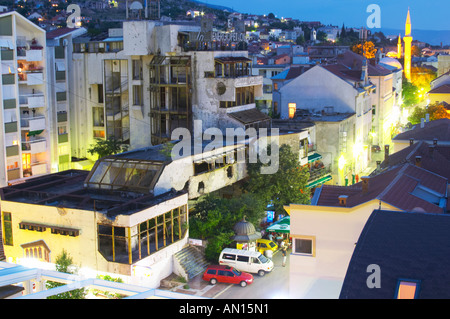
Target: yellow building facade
<point>134,241</point>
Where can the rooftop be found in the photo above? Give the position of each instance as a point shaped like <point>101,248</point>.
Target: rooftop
<point>439,129</point>
<point>67,190</point>
<point>399,243</point>
<point>405,186</point>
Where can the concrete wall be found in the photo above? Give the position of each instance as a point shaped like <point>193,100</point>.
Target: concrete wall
<point>315,89</point>
<point>335,231</point>
<point>84,248</point>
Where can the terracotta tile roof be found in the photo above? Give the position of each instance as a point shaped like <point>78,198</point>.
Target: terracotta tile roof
<point>434,158</point>
<point>404,186</point>
<point>439,129</point>
<point>344,72</point>
<point>443,89</point>
<point>354,61</point>
<point>399,243</point>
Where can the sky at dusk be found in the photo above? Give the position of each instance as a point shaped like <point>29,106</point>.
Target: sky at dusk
<point>425,14</point>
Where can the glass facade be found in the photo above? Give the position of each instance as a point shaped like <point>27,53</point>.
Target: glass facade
<point>130,244</point>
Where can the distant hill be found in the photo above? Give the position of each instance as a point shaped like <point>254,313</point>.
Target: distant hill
<point>428,36</point>
<point>213,6</point>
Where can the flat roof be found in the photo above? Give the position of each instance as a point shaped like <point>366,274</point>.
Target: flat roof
<point>66,190</point>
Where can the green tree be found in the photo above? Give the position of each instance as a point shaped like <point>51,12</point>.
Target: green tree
<point>300,40</point>
<point>64,264</point>
<point>322,36</point>
<point>106,147</point>
<point>435,111</point>
<point>286,186</point>
<point>410,94</point>
<point>215,217</point>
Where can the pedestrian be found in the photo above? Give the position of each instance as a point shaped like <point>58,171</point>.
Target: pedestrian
<point>284,253</point>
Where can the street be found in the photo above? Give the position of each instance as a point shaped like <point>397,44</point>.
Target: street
<point>274,285</point>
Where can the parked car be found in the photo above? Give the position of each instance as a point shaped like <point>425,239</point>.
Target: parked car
<point>265,244</point>
<point>226,274</point>
<point>246,260</point>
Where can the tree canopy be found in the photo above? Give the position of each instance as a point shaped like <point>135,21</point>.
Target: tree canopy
<point>286,186</point>
<point>436,111</point>
<point>64,263</point>
<point>367,49</point>
<point>106,147</point>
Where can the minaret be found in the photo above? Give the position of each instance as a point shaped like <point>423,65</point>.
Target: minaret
<point>399,47</point>
<point>408,39</point>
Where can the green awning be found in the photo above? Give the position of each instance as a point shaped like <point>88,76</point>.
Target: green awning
<point>281,226</point>
<point>319,181</point>
<point>314,157</point>
<point>33,133</point>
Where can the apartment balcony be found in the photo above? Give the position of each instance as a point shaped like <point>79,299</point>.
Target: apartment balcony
<point>33,100</point>
<point>33,55</point>
<point>36,123</point>
<point>35,146</point>
<point>31,78</point>
<point>318,174</point>
<point>38,168</point>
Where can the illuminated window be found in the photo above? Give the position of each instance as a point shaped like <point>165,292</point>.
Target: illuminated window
<point>26,160</point>
<point>304,245</point>
<point>407,289</point>
<point>7,229</point>
<point>292,109</point>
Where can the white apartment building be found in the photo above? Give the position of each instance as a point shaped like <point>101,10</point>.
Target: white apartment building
<point>25,141</point>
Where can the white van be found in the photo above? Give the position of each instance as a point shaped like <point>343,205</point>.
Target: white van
<point>246,260</point>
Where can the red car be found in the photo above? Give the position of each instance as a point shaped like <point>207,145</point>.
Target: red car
<point>227,274</point>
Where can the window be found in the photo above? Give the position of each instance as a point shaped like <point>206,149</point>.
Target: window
<point>211,272</point>
<point>407,289</point>
<point>229,257</point>
<point>304,246</point>
<point>7,229</point>
<point>292,109</point>
<point>243,258</point>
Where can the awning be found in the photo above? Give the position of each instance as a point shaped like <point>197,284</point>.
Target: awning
<point>281,226</point>
<point>33,133</point>
<point>314,157</point>
<point>319,181</point>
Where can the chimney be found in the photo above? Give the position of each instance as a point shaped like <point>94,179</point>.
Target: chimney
<point>378,165</point>
<point>427,117</point>
<point>365,183</point>
<point>419,161</point>
<point>422,123</point>
<point>431,150</point>
<point>435,141</point>
<point>343,200</point>
<point>411,141</point>
<point>386,152</point>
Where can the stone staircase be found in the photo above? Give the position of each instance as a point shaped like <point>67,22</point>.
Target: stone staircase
<point>192,261</point>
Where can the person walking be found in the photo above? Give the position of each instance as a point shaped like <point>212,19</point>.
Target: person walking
<point>284,252</point>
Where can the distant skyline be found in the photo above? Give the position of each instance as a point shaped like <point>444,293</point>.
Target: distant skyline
<point>425,15</point>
